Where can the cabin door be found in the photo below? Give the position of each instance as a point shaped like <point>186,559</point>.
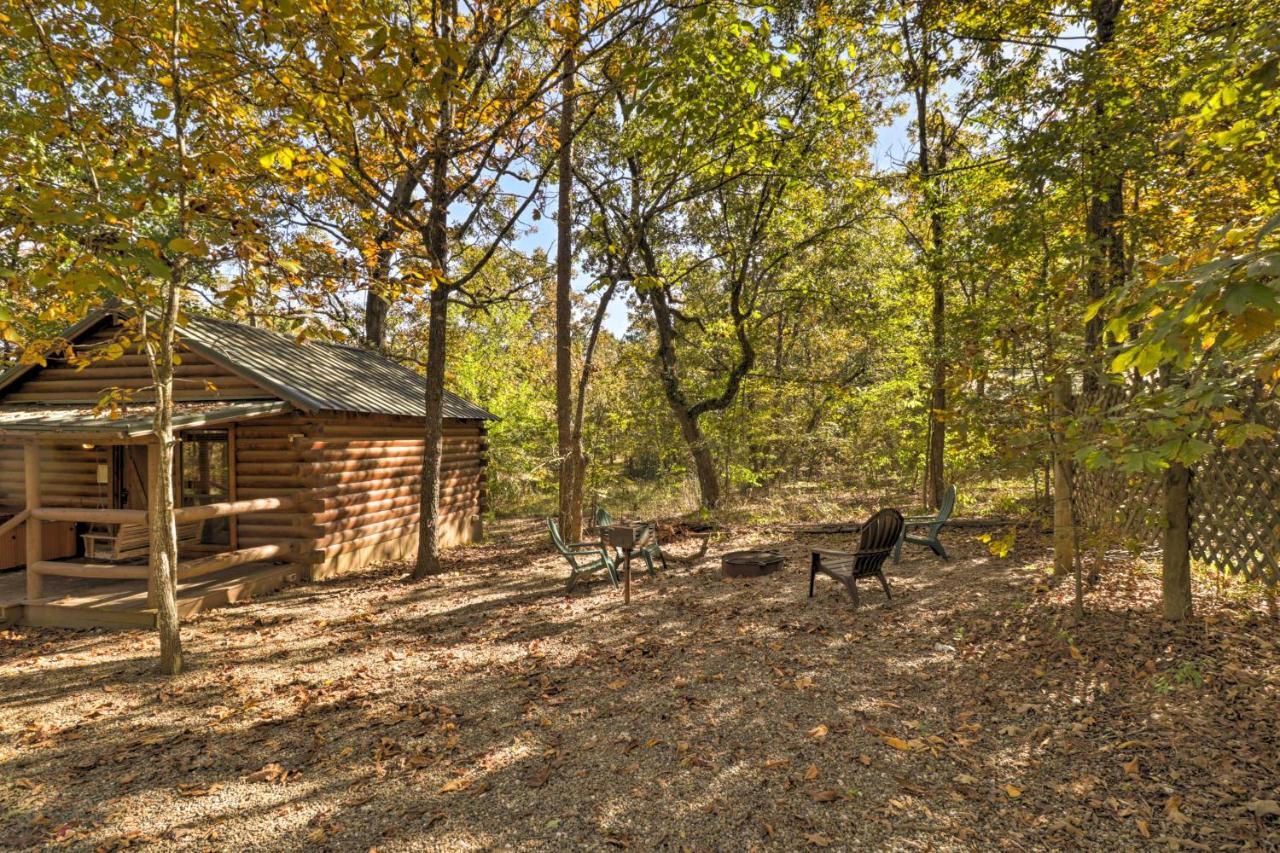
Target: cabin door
<point>129,463</point>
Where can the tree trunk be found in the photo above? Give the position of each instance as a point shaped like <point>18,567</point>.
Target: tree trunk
<point>703,463</point>
<point>436,240</point>
<point>1064,535</point>
<point>163,556</point>
<point>1177,543</point>
<point>428,531</point>
<point>1106,264</point>
<point>569,451</point>
<point>929,164</point>
<point>376,306</point>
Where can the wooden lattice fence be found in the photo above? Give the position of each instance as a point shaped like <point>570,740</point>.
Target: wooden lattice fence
<point>1235,506</point>
<point>1234,499</point>
<point>1114,508</point>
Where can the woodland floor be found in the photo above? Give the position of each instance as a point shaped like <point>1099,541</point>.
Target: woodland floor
<point>487,709</point>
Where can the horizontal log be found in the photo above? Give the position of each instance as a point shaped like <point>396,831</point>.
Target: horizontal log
<point>216,563</point>
<point>366,518</point>
<point>179,393</point>
<point>336,548</point>
<point>100,516</point>
<point>102,571</point>
<point>239,507</point>
<point>364,508</point>
<point>280,467</point>
<point>93,383</point>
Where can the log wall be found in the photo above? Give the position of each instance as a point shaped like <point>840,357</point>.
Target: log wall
<point>196,378</point>
<point>360,477</point>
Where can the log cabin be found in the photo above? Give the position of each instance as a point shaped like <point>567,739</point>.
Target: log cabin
<point>293,459</point>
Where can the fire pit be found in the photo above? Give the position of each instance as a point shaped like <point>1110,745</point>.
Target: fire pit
<point>750,564</point>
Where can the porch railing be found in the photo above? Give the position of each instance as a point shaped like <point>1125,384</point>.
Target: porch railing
<point>186,569</point>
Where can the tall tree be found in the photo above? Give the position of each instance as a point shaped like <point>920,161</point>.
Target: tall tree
<point>140,195</point>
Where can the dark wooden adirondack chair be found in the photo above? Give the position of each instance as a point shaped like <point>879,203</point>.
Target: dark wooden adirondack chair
<point>880,534</point>
<point>648,550</point>
<point>931,525</point>
<point>584,558</point>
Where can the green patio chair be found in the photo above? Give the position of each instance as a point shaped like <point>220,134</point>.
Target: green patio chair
<point>584,558</point>
<point>931,524</point>
<point>647,551</point>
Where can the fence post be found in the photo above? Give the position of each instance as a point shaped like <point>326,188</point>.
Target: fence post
<point>1177,543</point>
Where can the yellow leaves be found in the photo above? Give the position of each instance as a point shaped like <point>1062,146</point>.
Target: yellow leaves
<point>184,246</point>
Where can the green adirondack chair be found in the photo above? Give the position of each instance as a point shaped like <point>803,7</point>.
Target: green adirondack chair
<point>584,558</point>
<point>931,524</point>
<point>647,552</point>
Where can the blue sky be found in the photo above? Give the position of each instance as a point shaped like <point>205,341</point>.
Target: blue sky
<point>893,144</point>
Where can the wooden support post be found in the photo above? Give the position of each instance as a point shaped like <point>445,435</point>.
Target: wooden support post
<point>35,539</point>
<point>233,525</point>
<point>153,482</point>
<point>626,581</point>
<point>1177,543</point>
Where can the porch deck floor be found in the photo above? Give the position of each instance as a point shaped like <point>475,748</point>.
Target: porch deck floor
<point>89,603</point>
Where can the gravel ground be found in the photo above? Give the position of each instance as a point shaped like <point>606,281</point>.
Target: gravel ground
<point>485,709</point>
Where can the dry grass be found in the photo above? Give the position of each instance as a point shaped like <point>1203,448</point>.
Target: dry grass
<point>487,709</point>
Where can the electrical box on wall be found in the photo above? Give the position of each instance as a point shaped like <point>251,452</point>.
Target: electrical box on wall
<point>104,476</point>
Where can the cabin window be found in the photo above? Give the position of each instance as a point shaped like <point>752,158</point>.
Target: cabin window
<point>206,477</point>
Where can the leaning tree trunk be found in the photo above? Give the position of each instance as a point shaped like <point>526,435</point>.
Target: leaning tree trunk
<point>429,513</point>
<point>703,463</point>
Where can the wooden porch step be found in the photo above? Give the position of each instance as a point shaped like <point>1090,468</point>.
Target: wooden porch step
<point>123,604</point>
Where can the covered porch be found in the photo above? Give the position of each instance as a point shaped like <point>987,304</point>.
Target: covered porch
<point>100,575</point>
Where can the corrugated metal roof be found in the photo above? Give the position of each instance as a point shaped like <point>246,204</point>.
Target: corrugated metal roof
<point>319,375</point>
<point>313,375</point>
<point>134,421</point>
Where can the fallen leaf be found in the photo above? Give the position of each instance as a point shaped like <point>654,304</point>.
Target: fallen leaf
<point>1264,807</point>
<point>864,760</point>
<point>1131,767</point>
<point>897,743</point>
<point>617,684</point>
<point>1144,828</point>
<point>454,785</point>
<point>537,780</point>
<point>819,731</point>
<point>1012,791</point>
<point>817,839</point>
<point>827,796</point>
<point>268,773</point>
<point>965,779</point>
<point>811,772</point>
